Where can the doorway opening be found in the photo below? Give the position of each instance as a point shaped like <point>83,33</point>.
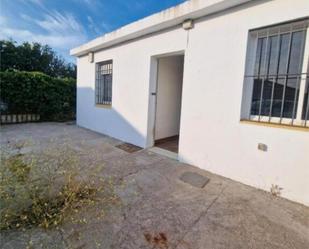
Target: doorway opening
<point>168,102</point>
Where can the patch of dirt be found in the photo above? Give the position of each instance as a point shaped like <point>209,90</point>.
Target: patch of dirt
<point>158,240</point>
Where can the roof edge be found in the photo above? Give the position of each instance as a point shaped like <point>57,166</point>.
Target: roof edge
<point>165,19</point>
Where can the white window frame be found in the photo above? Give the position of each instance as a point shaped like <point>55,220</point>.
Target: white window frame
<point>254,35</point>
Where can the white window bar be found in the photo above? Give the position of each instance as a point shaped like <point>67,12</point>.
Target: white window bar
<point>289,114</point>
<point>303,81</point>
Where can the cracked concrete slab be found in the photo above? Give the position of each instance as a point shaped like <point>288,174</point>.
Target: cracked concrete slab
<point>157,209</point>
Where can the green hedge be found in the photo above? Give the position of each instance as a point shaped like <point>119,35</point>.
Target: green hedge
<point>54,99</point>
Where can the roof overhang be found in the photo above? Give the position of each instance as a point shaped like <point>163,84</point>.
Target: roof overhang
<point>165,19</point>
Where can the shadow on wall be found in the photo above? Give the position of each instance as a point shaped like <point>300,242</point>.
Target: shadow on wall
<point>106,120</point>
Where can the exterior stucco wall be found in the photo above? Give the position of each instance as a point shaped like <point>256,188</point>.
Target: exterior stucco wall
<point>211,134</point>
<point>128,118</point>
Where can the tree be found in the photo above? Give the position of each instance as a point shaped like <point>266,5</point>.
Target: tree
<point>34,57</point>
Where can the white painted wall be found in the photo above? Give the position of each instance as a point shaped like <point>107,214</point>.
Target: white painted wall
<point>169,89</point>
<point>128,118</point>
<point>211,135</point>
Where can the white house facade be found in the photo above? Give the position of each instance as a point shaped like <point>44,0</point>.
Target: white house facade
<point>229,77</point>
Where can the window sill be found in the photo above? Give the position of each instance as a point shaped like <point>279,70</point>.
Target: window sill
<point>275,125</point>
<point>104,106</point>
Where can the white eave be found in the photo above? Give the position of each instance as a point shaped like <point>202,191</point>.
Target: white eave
<point>192,9</point>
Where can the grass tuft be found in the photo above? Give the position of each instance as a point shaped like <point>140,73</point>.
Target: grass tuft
<point>40,190</point>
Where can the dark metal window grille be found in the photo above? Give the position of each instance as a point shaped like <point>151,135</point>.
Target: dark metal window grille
<point>278,74</point>
<point>104,80</point>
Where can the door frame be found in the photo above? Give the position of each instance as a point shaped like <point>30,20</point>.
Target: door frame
<point>153,87</point>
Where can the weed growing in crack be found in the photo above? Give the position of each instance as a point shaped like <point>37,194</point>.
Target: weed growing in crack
<point>42,189</point>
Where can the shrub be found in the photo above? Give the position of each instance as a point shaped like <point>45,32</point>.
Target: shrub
<point>54,99</point>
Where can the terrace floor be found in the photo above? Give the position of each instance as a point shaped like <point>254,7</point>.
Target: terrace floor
<point>158,209</point>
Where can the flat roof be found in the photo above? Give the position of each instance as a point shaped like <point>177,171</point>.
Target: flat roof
<point>191,9</point>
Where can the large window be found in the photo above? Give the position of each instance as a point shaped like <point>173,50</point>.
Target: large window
<point>104,79</point>
<point>279,76</point>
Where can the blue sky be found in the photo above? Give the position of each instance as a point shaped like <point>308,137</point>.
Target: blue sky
<point>64,24</point>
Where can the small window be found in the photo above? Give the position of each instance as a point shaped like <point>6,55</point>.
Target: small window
<point>104,80</point>
<point>279,78</point>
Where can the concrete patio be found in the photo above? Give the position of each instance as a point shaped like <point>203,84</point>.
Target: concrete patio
<point>158,209</point>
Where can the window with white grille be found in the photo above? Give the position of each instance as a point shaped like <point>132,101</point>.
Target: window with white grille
<point>104,81</point>
<point>278,74</point>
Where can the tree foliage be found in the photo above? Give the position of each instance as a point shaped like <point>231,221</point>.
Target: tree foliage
<point>34,57</point>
